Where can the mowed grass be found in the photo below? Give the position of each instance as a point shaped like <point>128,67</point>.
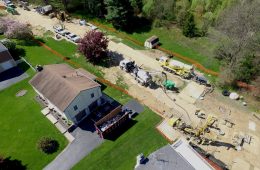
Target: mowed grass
<point>36,54</point>
<point>22,125</point>
<point>142,137</point>
<point>121,154</point>
<point>198,49</point>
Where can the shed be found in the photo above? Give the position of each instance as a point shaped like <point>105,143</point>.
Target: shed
<point>152,42</point>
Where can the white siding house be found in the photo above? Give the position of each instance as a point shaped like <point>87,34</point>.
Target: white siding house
<point>6,60</point>
<point>82,104</point>
<point>71,92</point>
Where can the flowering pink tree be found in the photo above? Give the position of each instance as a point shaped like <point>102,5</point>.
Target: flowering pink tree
<point>15,29</point>
<point>5,23</point>
<point>94,46</point>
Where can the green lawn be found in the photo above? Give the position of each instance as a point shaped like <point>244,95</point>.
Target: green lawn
<point>121,153</point>
<point>36,54</point>
<point>198,49</point>
<point>22,125</point>
<point>118,154</point>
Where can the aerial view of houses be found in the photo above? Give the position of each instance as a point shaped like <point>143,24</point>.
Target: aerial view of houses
<point>129,84</point>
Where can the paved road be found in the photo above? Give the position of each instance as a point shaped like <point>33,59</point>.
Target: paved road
<point>86,139</point>
<point>11,77</point>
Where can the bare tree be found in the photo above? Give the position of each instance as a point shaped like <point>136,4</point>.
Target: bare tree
<point>240,23</point>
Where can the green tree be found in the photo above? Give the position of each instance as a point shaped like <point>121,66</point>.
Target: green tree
<point>94,7</point>
<point>119,13</point>
<point>248,68</point>
<point>137,5</point>
<point>189,28</point>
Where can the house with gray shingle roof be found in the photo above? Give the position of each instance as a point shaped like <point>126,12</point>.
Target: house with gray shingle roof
<point>72,92</point>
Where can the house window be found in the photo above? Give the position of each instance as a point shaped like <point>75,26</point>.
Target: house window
<point>92,95</point>
<point>75,107</point>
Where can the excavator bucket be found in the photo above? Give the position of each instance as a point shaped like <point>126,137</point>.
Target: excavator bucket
<point>173,121</point>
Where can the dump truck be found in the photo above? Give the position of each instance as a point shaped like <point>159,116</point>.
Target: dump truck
<point>141,76</point>
<point>176,67</point>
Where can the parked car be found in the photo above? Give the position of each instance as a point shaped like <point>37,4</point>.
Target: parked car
<point>69,35</point>
<point>58,29</point>
<point>73,37</point>
<point>66,34</point>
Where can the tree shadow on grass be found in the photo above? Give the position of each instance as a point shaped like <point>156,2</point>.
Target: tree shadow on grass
<point>103,86</point>
<point>24,66</point>
<point>11,164</point>
<point>31,42</point>
<point>18,53</point>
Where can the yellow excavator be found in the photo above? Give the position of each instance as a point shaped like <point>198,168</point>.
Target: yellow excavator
<point>187,129</point>
<point>176,67</point>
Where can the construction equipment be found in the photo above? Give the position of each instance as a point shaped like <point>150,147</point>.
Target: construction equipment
<point>45,10</point>
<point>199,78</point>
<point>11,10</point>
<point>240,139</point>
<point>176,67</point>
<point>189,130</point>
<point>24,5</point>
<point>127,65</point>
<point>141,76</point>
<point>205,128</point>
<point>160,78</point>
<point>168,84</point>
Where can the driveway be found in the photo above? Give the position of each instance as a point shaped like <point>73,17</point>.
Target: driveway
<point>86,139</point>
<point>11,76</point>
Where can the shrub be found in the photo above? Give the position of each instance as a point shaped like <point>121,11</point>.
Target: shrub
<point>10,45</point>
<point>47,145</point>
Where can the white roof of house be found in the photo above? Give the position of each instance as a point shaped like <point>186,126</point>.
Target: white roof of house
<point>190,155</point>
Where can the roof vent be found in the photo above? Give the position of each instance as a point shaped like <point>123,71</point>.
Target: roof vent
<point>64,76</point>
